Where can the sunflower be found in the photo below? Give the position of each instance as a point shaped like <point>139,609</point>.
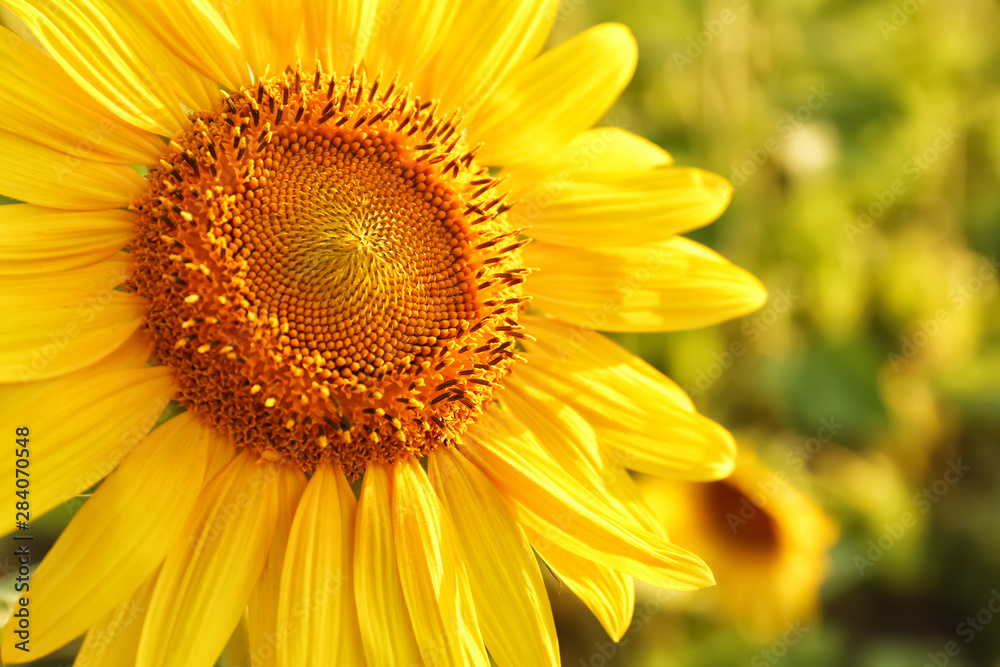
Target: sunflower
<point>270,276</point>
<point>765,541</point>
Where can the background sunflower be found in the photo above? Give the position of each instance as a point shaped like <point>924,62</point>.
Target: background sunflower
<point>863,145</point>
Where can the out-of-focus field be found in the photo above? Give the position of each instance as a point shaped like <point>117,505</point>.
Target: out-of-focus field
<point>863,143</point>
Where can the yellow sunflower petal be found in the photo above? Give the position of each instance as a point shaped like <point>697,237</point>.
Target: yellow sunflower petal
<point>45,105</point>
<point>551,502</point>
<point>507,587</point>
<point>337,32</point>
<point>82,426</point>
<point>56,323</point>
<point>572,443</point>
<point>316,603</point>
<point>208,575</point>
<point>487,40</point>
<point>633,408</point>
<point>589,154</point>
<point>130,355</point>
<point>378,590</point>
<point>610,595</point>
<point>115,640</point>
<point>32,173</point>
<point>34,239</point>
<point>267,31</point>
<point>263,631</point>
<point>545,104</point>
<point>432,572</point>
<point>396,46</point>
<point>666,286</point>
<point>118,61</point>
<point>219,457</point>
<point>197,34</point>
<point>96,563</point>
<point>628,207</point>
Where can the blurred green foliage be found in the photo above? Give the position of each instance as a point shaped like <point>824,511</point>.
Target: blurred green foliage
<point>863,143</point>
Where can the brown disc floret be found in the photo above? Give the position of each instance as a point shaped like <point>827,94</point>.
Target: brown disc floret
<point>328,272</point>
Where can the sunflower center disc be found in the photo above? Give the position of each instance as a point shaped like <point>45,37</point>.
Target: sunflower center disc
<point>328,273</point>
<point>759,533</point>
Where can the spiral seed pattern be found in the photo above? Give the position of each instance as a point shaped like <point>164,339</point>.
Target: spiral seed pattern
<point>328,272</point>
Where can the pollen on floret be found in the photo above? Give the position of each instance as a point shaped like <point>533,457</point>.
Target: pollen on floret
<point>328,272</point>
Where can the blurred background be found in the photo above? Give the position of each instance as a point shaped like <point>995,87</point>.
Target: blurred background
<point>862,526</point>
